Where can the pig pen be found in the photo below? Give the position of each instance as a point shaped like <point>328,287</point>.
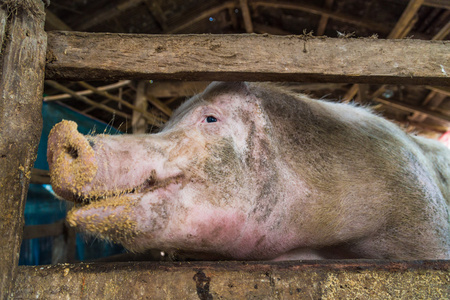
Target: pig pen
<point>75,56</point>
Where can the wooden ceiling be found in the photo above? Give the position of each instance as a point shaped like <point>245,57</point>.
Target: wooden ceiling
<point>142,106</point>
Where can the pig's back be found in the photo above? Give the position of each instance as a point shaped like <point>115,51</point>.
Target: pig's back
<point>439,158</point>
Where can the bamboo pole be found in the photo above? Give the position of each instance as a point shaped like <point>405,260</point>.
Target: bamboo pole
<point>324,18</point>
<point>246,15</point>
<point>401,29</point>
<point>151,119</point>
<point>64,89</point>
<point>113,86</point>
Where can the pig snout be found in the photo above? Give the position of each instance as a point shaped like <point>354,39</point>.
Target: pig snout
<point>71,160</point>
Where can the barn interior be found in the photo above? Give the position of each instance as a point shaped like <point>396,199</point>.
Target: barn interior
<point>142,106</point>
<point>420,109</point>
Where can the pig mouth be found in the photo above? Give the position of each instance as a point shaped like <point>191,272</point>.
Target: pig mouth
<point>150,185</point>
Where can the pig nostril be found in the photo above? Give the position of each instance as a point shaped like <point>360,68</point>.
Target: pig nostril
<point>73,152</point>
<point>91,143</point>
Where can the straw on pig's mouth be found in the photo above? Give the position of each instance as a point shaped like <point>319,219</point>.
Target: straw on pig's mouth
<point>151,184</point>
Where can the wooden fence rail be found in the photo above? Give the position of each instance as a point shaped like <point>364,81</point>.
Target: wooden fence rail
<point>101,56</point>
<point>360,279</point>
<point>249,57</point>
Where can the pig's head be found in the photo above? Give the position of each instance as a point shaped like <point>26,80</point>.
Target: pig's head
<point>207,182</point>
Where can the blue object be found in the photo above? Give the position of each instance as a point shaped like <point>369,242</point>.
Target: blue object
<point>42,207</point>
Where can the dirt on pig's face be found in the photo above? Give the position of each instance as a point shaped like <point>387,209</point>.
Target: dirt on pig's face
<point>249,171</point>
<point>205,183</point>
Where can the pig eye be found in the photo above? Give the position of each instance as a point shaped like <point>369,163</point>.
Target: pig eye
<point>210,119</point>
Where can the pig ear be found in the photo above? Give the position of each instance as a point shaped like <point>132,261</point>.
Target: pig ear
<point>217,88</point>
<point>243,86</point>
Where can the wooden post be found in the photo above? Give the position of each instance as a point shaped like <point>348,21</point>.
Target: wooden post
<point>137,120</point>
<point>324,18</point>
<point>22,62</point>
<point>246,15</point>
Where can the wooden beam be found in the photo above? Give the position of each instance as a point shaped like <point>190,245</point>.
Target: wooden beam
<point>374,26</point>
<point>93,117</point>
<point>157,13</point>
<point>432,104</point>
<point>246,16</point>
<point>440,89</point>
<point>159,105</point>
<point>438,3</point>
<point>262,28</point>
<point>362,279</point>
<point>436,129</point>
<point>409,26</point>
<point>138,121</point>
<point>233,18</point>
<point>168,89</point>
<point>400,30</point>
<point>407,15</point>
<point>89,109</point>
<point>64,89</point>
<point>200,17</point>
<point>442,33</point>
<point>106,14</point>
<point>413,109</point>
<point>22,63</point>
<point>324,19</point>
<point>103,56</point>
<point>39,231</point>
<point>52,22</point>
<point>418,117</point>
<point>108,87</point>
<point>350,93</point>
<point>151,119</point>
<point>40,176</point>
<point>3,23</point>
<point>363,91</point>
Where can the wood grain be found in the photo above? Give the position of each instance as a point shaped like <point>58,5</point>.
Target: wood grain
<point>326,279</point>
<point>22,63</point>
<point>249,57</point>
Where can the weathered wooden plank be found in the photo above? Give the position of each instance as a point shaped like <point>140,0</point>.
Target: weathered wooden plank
<point>440,89</point>
<point>108,87</point>
<point>324,19</point>
<point>442,33</point>
<point>166,89</point>
<point>95,56</point>
<point>151,119</point>
<point>40,176</point>
<point>438,3</point>
<point>52,22</point>
<point>21,85</point>
<point>411,9</point>
<point>159,105</point>
<point>237,280</point>
<point>138,121</point>
<point>414,109</point>
<point>246,16</point>
<point>38,231</point>
<point>200,16</point>
<point>376,27</point>
<point>3,19</point>
<point>64,89</point>
<point>105,14</point>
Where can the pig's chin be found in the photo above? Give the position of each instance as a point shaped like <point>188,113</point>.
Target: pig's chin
<point>113,215</point>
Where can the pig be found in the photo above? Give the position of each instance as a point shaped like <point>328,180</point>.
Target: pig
<point>250,171</point>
